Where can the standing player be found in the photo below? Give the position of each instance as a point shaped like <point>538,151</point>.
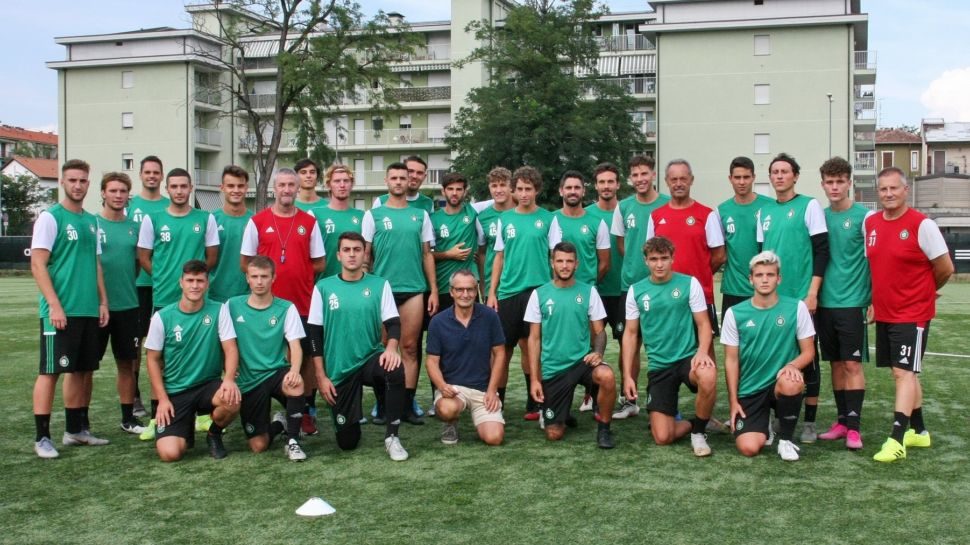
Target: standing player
<point>417,172</point>
<point>73,304</point>
<point>566,326</point>
<point>457,234</point>
<point>630,219</point>
<point>739,222</point>
<point>588,233</point>
<point>349,314</point>
<point>119,260</point>
<point>793,227</point>
<point>399,238</point>
<point>668,311</point>
<point>526,235</point>
<point>337,216</point>
<point>843,301</point>
<point>307,198</point>
<point>190,343</point>
<point>909,262</point>
<point>499,188</point>
<point>768,340</point>
<point>227,280</point>
<point>291,238</point>
<point>268,332</point>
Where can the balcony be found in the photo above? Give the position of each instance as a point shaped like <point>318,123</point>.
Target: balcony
<point>265,101</point>
<point>259,63</point>
<point>208,178</point>
<point>865,67</point>
<point>418,94</point>
<point>208,96</point>
<point>208,137</point>
<point>247,142</point>
<point>627,42</point>
<point>864,140</point>
<point>865,113</point>
<point>865,162</point>
<point>431,52</point>
<point>646,85</point>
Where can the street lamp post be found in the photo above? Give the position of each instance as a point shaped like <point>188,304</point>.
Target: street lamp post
<point>830,122</point>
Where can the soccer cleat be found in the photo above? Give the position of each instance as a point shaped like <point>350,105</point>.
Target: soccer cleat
<point>138,408</point>
<point>202,422</point>
<point>412,418</point>
<point>715,425</point>
<point>890,452</point>
<point>698,442</point>
<point>394,449</point>
<point>809,433</point>
<point>587,404</point>
<point>853,440</point>
<point>913,439</point>
<point>531,416</point>
<point>835,432</point>
<point>788,450</point>
<point>308,426</point>
<point>45,449</point>
<point>216,448</point>
<point>84,437</point>
<point>626,410</point>
<point>449,434</point>
<point>604,438</point>
<point>293,451</point>
<point>149,433</point>
<point>416,408</point>
<point>134,427</point>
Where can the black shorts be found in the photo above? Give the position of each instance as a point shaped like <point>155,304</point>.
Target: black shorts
<point>145,310</point>
<point>254,410</point>
<point>728,301</point>
<point>901,345</point>
<point>558,391</point>
<point>72,349</point>
<point>663,387</point>
<point>615,306</point>
<point>511,312</point>
<point>123,332</point>
<point>347,411</point>
<point>305,343</point>
<point>842,334</point>
<point>404,297</point>
<point>757,409</point>
<point>187,404</point>
<point>712,316</point>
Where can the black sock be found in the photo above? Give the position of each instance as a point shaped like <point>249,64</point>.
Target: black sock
<point>698,424</point>
<point>839,396</point>
<point>42,423</point>
<point>127,412</point>
<point>85,421</point>
<point>916,420</point>
<point>900,424</point>
<point>853,408</point>
<point>294,415</point>
<point>530,404</point>
<point>72,420</point>
<point>501,395</point>
<point>154,408</point>
<point>409,403</point>
<point>311,402</point>
<point>787,408</point>
<point>810,411</point>
<point>215,429</point>
<point>275,428</point>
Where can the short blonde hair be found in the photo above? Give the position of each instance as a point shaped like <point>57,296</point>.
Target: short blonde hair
<point>766,257</point>
<point>337,167</point>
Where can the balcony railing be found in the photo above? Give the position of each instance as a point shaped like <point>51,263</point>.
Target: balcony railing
<point>208,178</point>
<point>865,160</point>
<point>419,94</point>
<point>864,136</point>
<point>865,60</point>
<point>635,42</point>
<point>259,63</point>
<point>208,95</point>
<point>248,141</point>
<point>263,100</point>
<point>646,85</point>
<point>208,137</point>
<point>434,52</point>
<point>650,129</point>
<point>865,110</point>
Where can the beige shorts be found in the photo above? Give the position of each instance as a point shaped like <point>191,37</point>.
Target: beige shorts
<point>474,401</point>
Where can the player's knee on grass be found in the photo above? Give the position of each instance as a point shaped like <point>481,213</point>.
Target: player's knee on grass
<point>663,428</point>
<point>750,444</point>
<point>170,449</point>
<point>448,408</point>
<point>554,432</point>
<point>349,437</point>
<point>491,433</point>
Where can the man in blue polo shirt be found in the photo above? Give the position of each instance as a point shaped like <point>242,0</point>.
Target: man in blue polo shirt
<point>466,352</point>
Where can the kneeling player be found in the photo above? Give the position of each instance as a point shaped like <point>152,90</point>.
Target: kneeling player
<point>265,327</point>
<point>185,346</point>
<point>767,340</point>
<point>668,310</point>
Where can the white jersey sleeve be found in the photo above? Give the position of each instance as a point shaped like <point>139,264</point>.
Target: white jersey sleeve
<point>715,237</point>
<point>603,236</point>
<point>315,316</point>
<point>480,232</point>
<point>806,328</point>
<point>155,340</point>
<point>377,202</point>
<point>499,243</point>
<point>555,233</point>
<point>226,330</point>
<point>618,228</point>
<point>697,301</point>
<point>388,306</point>
<point>632,309</point>
<point>250,240</point>
<point>729,329</point>
<point>146,233</point>
<point>759,232</point>
<point>292,325</point>
<point>367,228</point>
<point>316,242</point>
<point>211,232</point>
<point>533,314</point>
<point>482,205</point>
<point>45,232</point>
<point>651,229</point>
<point>815,219</point>
<point>427,230</point>
<point>931,239</point>
<point>595,310</point>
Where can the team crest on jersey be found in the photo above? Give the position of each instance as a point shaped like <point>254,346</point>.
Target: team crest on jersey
<point>301,230</point>
<point>584,229</point>
<point>197,228</point>
<point>414,217</point>
<point>250,429</point>
<point>64,361</point>
<point>904,234</point>
<point>847,224</point>
<point>207,320</point>
<point>341,420</point>
<point>780,321</point>
<point>444,232</point>
<point>691,220</point>
<point>131,231</point>
<point>366,292</point>
<point>579,299</point>
<point>676,293</point>
<point>550,414</point>
<point>160,429</point>
<point>739,424</point>
<point>273,321</point>
<point>791,214</point>
<point>466,220</point>
<point>539,224</point>
<point>354,220</point>
<point>91,228</point>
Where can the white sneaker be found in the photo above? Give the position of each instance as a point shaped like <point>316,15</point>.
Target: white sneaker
<point>134,427</point>
<point>809,433</point>
<point>294,452</point>
<point>788,450</point>
<point>394,449</point>
<point>626,410</point>
<point>587,404</point>
<point>698,441</point>
<point>771,436</point>
<point>84,437</point>
<point>45,448</point>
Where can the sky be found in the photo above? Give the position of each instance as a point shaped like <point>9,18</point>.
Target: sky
<point>923,69</point>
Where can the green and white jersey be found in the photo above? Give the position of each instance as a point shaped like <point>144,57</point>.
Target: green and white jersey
<point>847,282</point>
<point>420,201</point>
<point>332,224</point>
<point>565,315</point>
<point>666,313</point>
<point>588,233</point>
<point>72,240</point>
<point>525,241</point>
<point>786,228</point>
<point>609,286</point>
<point>740,225</point>
<point>138,209</point>
<point>489,219</point>
<point>397,236</point>
<point>309,207</point>
<point>119,261</point>
<point>173,241</point>
<point>767,339</point>
<point>630,220</point>
<point>263,337</point>
<point>190,343</point>
<point>228,280</point>
<point>451,230</point>
<point>352,315</point>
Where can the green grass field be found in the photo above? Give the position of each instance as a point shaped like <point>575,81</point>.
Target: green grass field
<point>526,491</point>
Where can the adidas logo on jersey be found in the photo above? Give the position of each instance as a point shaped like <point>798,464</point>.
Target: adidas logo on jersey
<point>164,228</point>
<point>221,228</point>
<point>269,230</point>
<point>241,319</point>
<point>750,323</point>
<point>663,221</point>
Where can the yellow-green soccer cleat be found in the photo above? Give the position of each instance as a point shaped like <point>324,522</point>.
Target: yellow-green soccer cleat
<point>202,422</point>
<point>890,452</point>
<point>913,439</point>
<point>149,433</point>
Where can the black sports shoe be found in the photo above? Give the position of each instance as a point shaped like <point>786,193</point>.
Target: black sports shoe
<point>412,418</point>
<point>216,448</point>
<point>604,438</point>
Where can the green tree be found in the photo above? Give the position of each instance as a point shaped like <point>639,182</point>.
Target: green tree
<point>537,111</point>
<point>21,196</point>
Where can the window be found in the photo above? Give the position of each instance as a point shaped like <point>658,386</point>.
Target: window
<point>759,2</point>
<point>377,163</point>
<point>127,120</point>
<point>405,80</point>
<point>377,123</point>
<point>127,161</point>
<point>762,143</point>
<point>887,159</point>
<point>405,122</point>
<point>914,161</point>
<point>127,79</point>
<point>762,44</point>
<point>762,93</point>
